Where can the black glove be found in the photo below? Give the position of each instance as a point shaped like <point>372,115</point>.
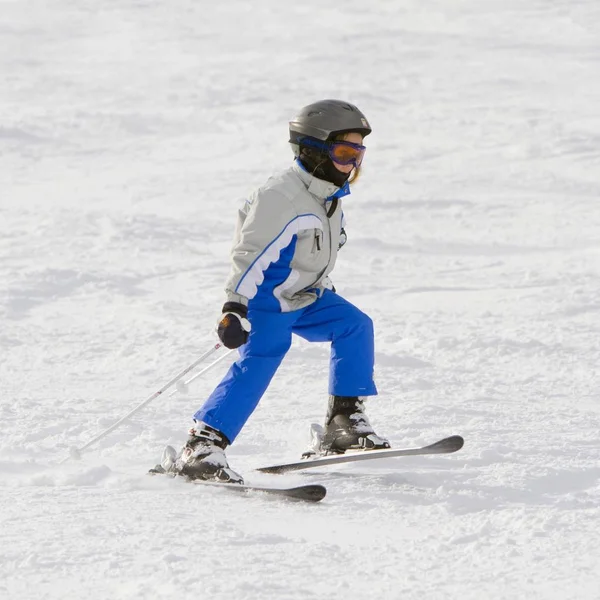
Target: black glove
<point>233,328</point>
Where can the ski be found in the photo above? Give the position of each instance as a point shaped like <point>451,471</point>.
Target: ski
<point>444,446</point>
<point>305,493</point>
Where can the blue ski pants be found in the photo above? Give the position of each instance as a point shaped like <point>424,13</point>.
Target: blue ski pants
<point>329,319</point>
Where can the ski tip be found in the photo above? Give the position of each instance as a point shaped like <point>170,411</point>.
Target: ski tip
<point>449,444</point>
<point>310,493</point>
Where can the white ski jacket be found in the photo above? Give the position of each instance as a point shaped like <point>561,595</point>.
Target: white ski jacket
<point>285,245</point>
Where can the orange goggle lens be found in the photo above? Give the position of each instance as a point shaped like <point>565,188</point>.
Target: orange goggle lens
<point>347,153</point>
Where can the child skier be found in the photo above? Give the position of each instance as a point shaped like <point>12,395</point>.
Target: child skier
<point>286,242</point>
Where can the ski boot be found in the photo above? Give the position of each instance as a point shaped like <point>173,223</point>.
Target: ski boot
<point>202,457</point>
<point>347,427</point>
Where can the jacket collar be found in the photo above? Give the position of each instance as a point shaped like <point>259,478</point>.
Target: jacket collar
<point>323,190</point>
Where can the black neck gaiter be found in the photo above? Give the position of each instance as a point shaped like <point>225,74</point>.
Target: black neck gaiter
<point>319,164</point>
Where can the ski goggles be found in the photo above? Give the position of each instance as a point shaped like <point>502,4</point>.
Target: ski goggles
<point>342,153</point>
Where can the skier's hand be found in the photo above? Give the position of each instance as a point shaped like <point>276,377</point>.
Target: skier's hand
<point>233,328</point>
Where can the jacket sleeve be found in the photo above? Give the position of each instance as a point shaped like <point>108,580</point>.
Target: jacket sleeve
<point>266,226</point>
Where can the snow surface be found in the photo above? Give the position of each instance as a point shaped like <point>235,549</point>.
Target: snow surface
<point>129,130</point>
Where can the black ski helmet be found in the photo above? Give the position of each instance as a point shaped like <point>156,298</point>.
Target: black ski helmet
<point>325,119</point>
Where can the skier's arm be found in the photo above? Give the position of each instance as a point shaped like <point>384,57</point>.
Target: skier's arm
<point>268,228</point>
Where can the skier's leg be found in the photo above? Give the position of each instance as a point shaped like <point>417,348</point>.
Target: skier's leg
<point>232,402</point>
<point>333,319</point>
<point>350,331</point>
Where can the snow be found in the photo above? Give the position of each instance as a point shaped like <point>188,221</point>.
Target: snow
<point>129,132</point>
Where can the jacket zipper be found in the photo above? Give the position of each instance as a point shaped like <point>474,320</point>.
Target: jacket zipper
<point>330,252</point>
<point>317,242</point>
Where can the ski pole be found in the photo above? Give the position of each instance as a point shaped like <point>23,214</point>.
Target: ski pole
<point>182,386</point>
<point>75,452</point>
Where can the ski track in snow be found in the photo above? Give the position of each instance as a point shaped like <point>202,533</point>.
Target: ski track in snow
<point>129,132</point>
